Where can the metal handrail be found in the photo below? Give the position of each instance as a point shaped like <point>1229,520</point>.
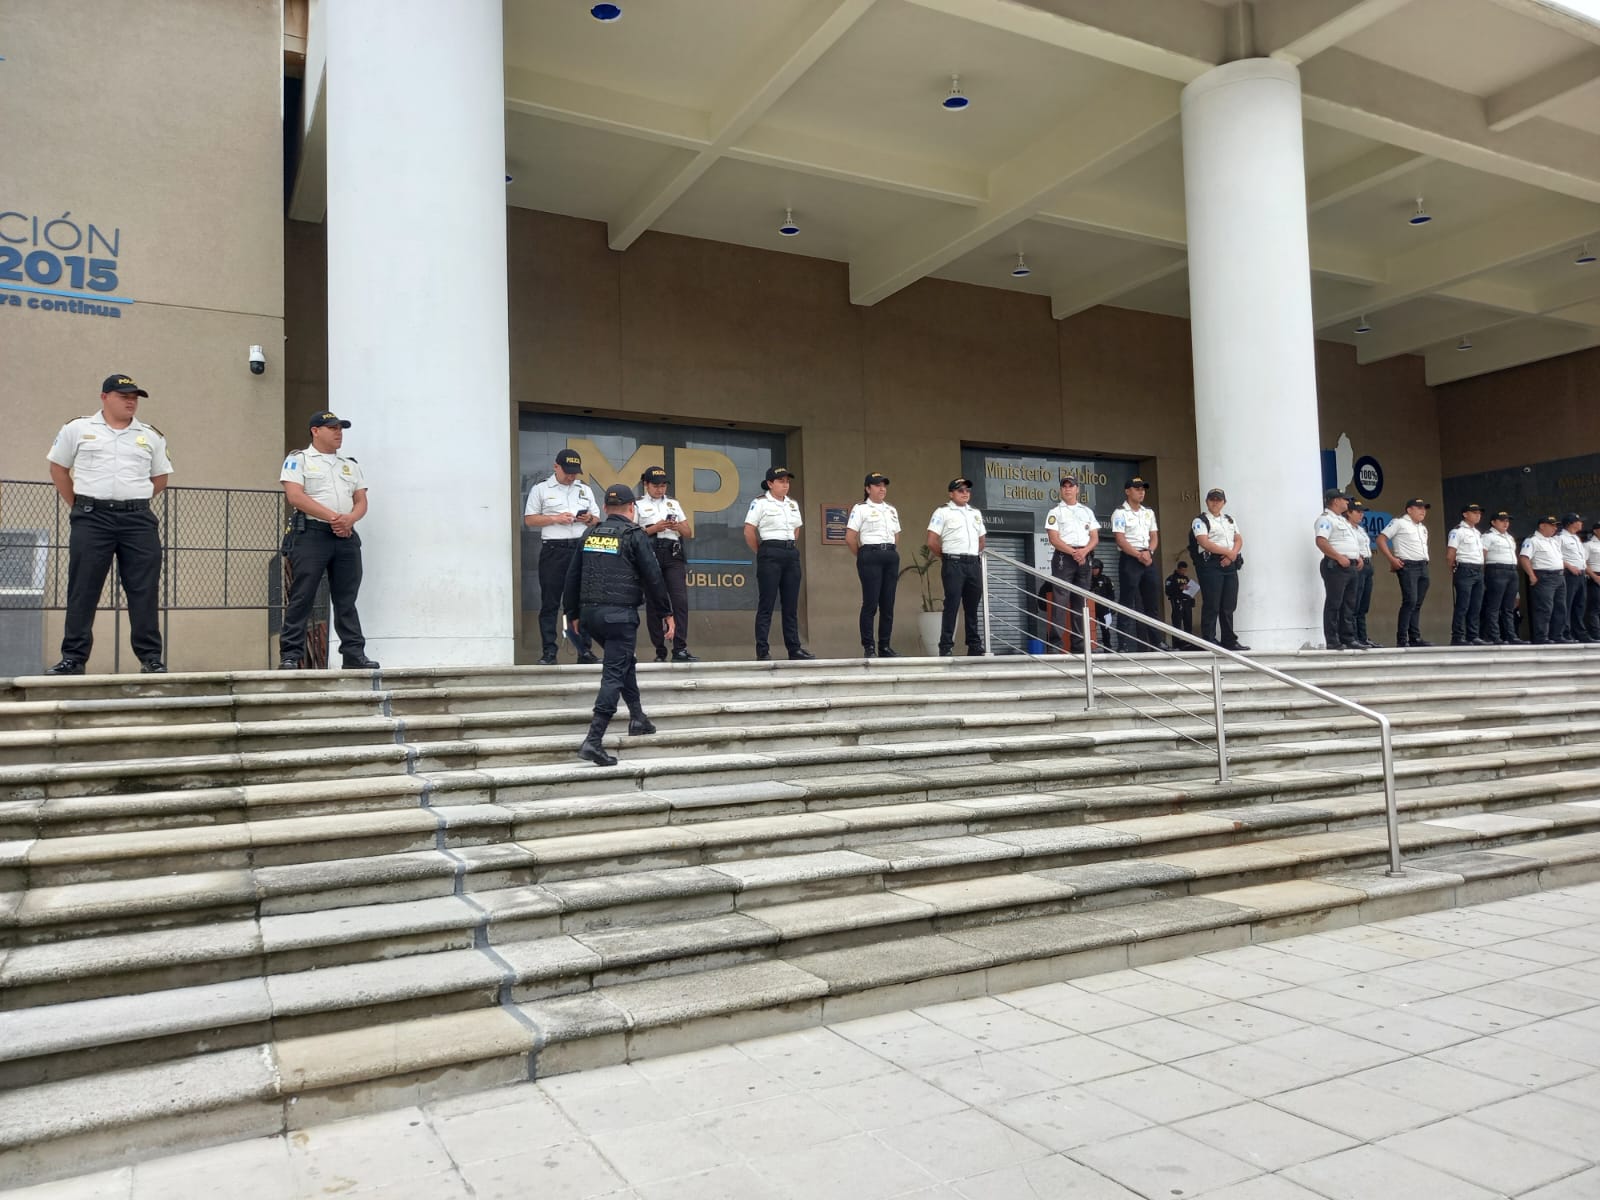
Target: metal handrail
<point>1218,654</point>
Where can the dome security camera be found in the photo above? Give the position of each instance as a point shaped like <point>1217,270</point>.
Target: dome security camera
<point>258,361</point>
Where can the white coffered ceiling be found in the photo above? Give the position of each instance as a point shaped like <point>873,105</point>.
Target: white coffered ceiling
<point>709,118</point>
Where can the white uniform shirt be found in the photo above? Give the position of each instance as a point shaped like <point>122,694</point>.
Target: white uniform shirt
<point>1340,533</point>
<point>1222,531</point>
<point>550,498</point>
<point>1408,539</point>
<point>1363,539</point>
<point>1543,553</point>
<point>959,527</point>
<point>1591,552</point>
<point>330,479</point>
<point>775,520</point>
<point>1135,526</point>
<point>649,510</point>
<point>111,464</point>
<point>1076,523</point>
<point>877,524</point>
<point>1468,545</point>
<point>1499,549</point>
<point>1571,549</point>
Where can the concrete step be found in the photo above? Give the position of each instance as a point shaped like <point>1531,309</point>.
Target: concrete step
<point>282,1081</point>
<point>775,862</point>
<point>980,735</point>
<point>419,820</point>
<point>691,719</point>
<point>1306,664</point>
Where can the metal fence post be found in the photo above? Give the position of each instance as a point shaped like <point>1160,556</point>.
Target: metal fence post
<point>1085,636</point>
<point>1222,729</point>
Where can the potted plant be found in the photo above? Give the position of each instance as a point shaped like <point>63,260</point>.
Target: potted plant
<point>932,615</point>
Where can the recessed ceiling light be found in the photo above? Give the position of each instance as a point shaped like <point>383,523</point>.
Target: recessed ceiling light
<point>1362,326</point>
<point>1021,268</point>
<point>606,12</point>
<point>789,228</point>
<point>955,99</point>
<point>1420,217</point>
<point>1465,343</point>
<point>1585,256</point>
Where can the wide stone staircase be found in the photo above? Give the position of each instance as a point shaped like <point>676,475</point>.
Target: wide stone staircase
<point>238,904</point>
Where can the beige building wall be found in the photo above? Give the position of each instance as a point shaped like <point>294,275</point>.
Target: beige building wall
<point>1529,414</point>
<point>710,333</point>
<point>160,124</point>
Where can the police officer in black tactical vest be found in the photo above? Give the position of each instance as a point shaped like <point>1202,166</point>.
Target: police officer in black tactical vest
<point>610,576</point>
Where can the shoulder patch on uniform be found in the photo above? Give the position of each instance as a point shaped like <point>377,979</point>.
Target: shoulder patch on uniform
<point>1050,520</point>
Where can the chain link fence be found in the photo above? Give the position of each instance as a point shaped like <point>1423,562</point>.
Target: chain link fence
<point>220,551</point>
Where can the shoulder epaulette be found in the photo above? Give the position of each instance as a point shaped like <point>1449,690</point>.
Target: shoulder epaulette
<point>156,429</point>
<point>352,458</point>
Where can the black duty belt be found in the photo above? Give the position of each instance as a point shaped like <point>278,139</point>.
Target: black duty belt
<point>961,558</point>
<point>787,543</point>
<point>114,505</point>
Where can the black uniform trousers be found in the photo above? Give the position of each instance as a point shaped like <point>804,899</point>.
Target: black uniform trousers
<point>878,568</point>
<point>777,581</point>
<point>962,577</point>
<point>555,556</point>
<point>1141,590</point>
<point>1339,586</point>
<point>675,572</point>
<point>1576,625</point>
<point>1363,591</point>
<point>1498,622</point>
<point>128,533</point>
<point>1413,591</point>
<point>1468,580</point>
<point>1592,619</point>
<point>1068,618</point>
<point>616,628</point>
<point>1547,607</point>
<point>316,552</point>
<point>1219,597</point>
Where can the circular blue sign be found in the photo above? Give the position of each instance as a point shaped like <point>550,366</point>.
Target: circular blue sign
<point>1368,477</point>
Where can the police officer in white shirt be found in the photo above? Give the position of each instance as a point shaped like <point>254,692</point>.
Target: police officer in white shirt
<point>328,492</point>
<point>1341,572</point>
<point>1498,624</point>
<point>1573,560</point>
<point>871,532</point>
<point>1464,553</point>
<point>1218,545</point>
<point>1542,563</point>
<point>562,508</point>
<point>1356,515</point>
<point>956,533</point>
<point>1138,576</point>
<point>1591,572</point>
<point>663,519</point>
<point>769,530</point>
<point>1404,542</point>
<point>107,467</point>
<point>1074,532</point>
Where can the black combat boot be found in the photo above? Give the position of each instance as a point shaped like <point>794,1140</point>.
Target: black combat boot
<point>592,750</point>
<point>639,724</point>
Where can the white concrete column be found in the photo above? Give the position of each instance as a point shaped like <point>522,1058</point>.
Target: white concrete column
<point>417,342</point>
<point>1250,315</point>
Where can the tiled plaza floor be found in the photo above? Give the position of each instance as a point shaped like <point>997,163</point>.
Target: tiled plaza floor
<point>1449,1056</point>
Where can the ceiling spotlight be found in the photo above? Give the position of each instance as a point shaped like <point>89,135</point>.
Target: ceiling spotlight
<point>1021,268</point>
<point>1420,217</point>
<point>1362,326</point>
<point>1585,256</point>
<point>1465,343</point>
<point>955,100</point>
<point>789,228</point>
<point>606,12</point>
